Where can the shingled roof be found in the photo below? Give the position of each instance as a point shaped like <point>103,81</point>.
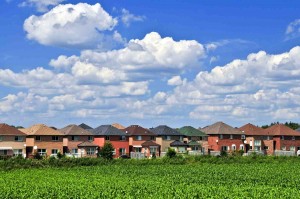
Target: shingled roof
<point>165,130</point>
<point>73,129</point>
<point>107,130</point>
<point>281,129</point>
<point>194,143</point>
<point>191,131</point>
<point>149,143</point>
<point>250,129</point>
<point>178,143</point>
<point>137,130</point>
<point>41,129</point>
<point>87,144</point>
<point>118,126</point>
<point>221,128</point>
<point>5,129</point>
<point>85,126</point>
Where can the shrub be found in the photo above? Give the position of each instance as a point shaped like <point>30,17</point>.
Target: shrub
<point>37,156</point>
<point>223,154</point>
<point>171,153</point>
<point>106,151</point>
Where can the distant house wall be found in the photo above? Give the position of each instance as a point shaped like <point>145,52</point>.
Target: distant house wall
<point>215,143</point>
<point>73,144</point>
<point>9,141</point>
<point>115,141</point>
<point>45,143</point>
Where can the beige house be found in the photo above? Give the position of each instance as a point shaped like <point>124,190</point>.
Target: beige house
<point>12,141</point>
<point>43,140</point>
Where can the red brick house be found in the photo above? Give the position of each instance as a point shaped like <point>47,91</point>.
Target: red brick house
<point>223,137</point>
<point>258,139</point>
<point>78,142</point>
<point>284,138</point>
<point>12,141</point>
<point>43,140</point>
<point>109,133</point>
<point>137,136</point>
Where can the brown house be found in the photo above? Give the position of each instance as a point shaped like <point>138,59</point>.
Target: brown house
<point>223,137</point>
<point>78,142</point>
<point>43,140</point>
<point>139,135</point>
<point>12,141</point>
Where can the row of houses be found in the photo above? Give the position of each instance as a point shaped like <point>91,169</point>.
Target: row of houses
<point>139,142</point>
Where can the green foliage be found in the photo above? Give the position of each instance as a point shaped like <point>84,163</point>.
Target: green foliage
<point>106,151</point>
<point>37,156</point>
<point>171,153</point>
<point>290,124</point>
<point>211,178</point>
<point>60,155</point>
<point>223,154</point>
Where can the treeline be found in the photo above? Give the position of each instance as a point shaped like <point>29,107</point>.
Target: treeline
<point>290,124</point>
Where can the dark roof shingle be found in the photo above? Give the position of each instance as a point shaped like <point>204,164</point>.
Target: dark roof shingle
<point>165,130</point>
<point>221,128</point>
<point>107,130</point>
<point>74,130</point>
<point>137,130</point>
<point>191,131</point>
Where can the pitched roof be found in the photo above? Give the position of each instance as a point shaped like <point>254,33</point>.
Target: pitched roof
<point>137,130</point>
<point>85,126</point>
<point>221,128</point>
<point>87,144</point>
<point>194,143</point>
<point>73,129</point>
<point>5,129</point>
<point>281,129</point>
<point>250,129</point>
<point>165,130</point>
<point>178,143</point>
<point>298,129</point>
<point>118,126</point>
<point>41,129</point>
<point>107,130</point>
<point>191,131</point>
<point>149,143</point>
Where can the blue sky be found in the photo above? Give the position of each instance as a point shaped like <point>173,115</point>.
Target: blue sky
<point>149,62</point>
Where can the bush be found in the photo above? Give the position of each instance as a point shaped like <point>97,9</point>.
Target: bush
<point>171,153</point>
<point>37,156</point>
<point>60,155</point>
<point>106,151</point>
<point>223,154</point>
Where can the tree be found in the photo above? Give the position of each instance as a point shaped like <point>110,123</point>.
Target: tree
<point>106,151</point>
<point>171,153</point>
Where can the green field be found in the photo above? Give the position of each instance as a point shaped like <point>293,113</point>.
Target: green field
<point>278,179</point>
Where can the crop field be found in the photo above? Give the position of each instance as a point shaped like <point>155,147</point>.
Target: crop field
<point>201,180</point>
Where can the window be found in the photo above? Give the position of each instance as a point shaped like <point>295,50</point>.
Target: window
<point>90,151</point>
<point>91,138</point>
<point>74,151</point>
<point>18,138</point>
<point>231,137</point>
<point>268,137</point>
<point>123,137</point>
<point>55,138</point>
<point>200,138</point>
<point>106,137</point>
<point>138,137</point>
<point>54,151</point>
<point>293,138</point>
<point>167,137</point>
<point>122,151</point>
<point>224,148</point>
<point>221,136</point>
<point>282,137</point>
<point>18,152</point>
<point>292,148</point>
<point>3,152</point>
<point>153,149</point>
<point>38,138</point>
<point>243,137</point>
<point>266,147</point>
<point>137,149</point>
<point>42,152</point>
<point>181,138</point>
<point>257,142</point>
<point>241,147</point>
<point>152,138</point>
<point>1,138</point>
<point>233,147</point>
<point>74,138</point>
<point>114,152</point>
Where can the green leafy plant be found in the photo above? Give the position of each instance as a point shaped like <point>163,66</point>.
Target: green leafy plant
<point>171,153</point>
<point>106,151</point>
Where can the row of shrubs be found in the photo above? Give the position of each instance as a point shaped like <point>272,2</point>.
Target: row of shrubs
<point>21,163</point>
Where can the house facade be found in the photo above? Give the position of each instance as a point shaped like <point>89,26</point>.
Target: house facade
<point>165,135</point>
<point>223,137</point>
<point>118,138</point>
<point>43,140</point>
<point>139,135</point>
<point>12,141</point>
<point>78,142</point>
<point>195,138</point>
